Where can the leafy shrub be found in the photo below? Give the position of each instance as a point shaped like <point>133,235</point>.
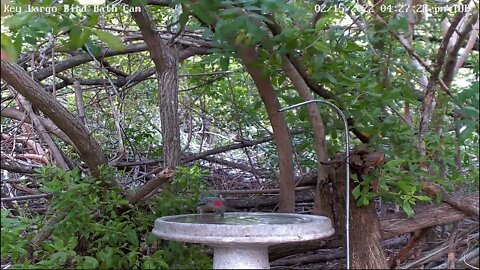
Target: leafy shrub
<point>13,236</point>
<point>102,230</point>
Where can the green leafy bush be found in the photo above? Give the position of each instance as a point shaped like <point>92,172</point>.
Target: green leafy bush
<point>102,230</point>
<point>13,236</point>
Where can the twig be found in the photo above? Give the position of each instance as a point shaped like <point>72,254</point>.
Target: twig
<point>452,246</point>
<point>403,254</point>
<point>260,191</point>
<point>17,169</point>
<point>26,197</point>
<point>440,251</point>
<point>464,259</point>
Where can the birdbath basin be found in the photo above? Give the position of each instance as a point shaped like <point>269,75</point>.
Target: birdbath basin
<point>241,239</point>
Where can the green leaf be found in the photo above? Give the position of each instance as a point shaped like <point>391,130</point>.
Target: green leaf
<point>405,187</point>
<point>123,202</point>
<point>9,48</point>
<point>18,20</point>
<point>224,63</point>
<point>356,192</point>
<point>132,237</point>
<point>383,184</point>
<point>110,39</point>
<point>423,198</point>
<point>148,264</point>
<point>394,162</point>
<point>260,17</point>
<point>163,264</point>
<point>74,34</point>
<point>151,238</point>
<point>18,43</point>
<point>202,14</point>
<point>58,244</point>
<point>84,36</point>
<point>231,12</point>
<point>408,209</point>
<point>132,257</point>
<point>41,25</point>
<point>93,18</point>
<point>183,18</point>
<point>470,111</point>
<point>363,201</point>
<point>90,263</point>
<point>138,3</point>
<point>72,243</point>
<point>398,25</point>
<point>331,79</point>
<point>466,133</point>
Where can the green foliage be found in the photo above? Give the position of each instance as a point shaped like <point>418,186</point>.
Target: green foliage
<point>469,101</point>
<point>110,39</point>
<point>10,48</point>
<point>102,230</point>
<point>182,195</point>
<point>29,29</point>
<point>13,236</point>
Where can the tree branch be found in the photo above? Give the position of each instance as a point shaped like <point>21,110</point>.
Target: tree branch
<point>89,149</point>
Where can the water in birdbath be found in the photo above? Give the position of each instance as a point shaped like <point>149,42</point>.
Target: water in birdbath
<point>239,219</point>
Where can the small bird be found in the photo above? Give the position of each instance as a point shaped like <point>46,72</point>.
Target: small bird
<point>211,203</point>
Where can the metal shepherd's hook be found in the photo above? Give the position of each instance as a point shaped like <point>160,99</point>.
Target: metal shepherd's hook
<point>347,170</point>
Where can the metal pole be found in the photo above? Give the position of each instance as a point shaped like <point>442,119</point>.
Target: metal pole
<point>347,170</point>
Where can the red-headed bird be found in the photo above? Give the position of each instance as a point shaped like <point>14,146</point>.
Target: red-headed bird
<point>211,204</point>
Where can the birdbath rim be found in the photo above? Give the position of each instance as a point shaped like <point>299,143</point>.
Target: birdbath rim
<point>252,228</point>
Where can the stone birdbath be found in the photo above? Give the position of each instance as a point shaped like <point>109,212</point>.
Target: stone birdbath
<point>241,239</point>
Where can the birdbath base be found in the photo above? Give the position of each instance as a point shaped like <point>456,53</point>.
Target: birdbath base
<point>240,257</point>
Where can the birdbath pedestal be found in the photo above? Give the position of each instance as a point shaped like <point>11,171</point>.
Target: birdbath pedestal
<point>240,240</point>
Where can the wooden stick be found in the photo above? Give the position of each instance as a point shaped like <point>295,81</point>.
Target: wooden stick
<point>26,197</point>
<point>162,178</point>
<point>259,191</point>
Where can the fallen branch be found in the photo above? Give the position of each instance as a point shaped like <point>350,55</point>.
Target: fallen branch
<point>426,216</point>
<point>320,256</point>
<point>260,191</point>
<point>27,190</point>
<point>38,158</point>
<point>44,233</point>
<point>152,185</point>
<point>243,167</point>
<point>470,256</point>
<point>268,201</point>
<point>405,251</point>
<point>26,197</point>
<point>437,253</point>
<point>391,226</point>
<point>16,169</point>
<point>468,204</point>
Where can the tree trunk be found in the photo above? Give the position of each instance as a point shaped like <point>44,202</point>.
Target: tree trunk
<point>168,99</point>
<point>280,130</point>
<point>365,239</point>
<point>321,204</point>
<point>366,251</point>
<point>166,66</point>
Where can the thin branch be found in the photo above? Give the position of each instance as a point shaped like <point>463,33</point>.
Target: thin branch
<point>259,191</point>
<point>430,91</point>
<point>26,197</point>
<point>152,185</point>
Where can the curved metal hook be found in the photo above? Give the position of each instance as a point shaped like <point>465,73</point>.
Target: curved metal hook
<point>347,169</point>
